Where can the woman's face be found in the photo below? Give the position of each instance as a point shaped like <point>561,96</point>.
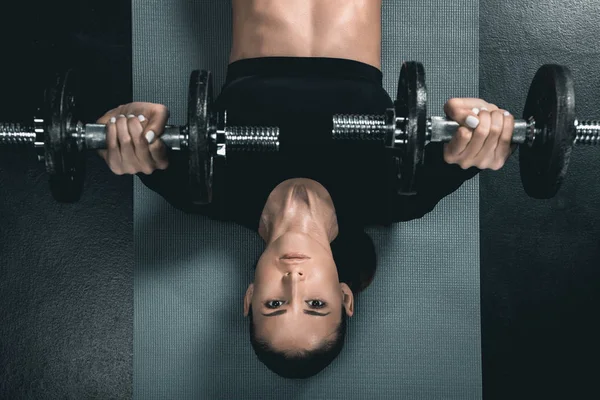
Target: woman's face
<point>296,303</point>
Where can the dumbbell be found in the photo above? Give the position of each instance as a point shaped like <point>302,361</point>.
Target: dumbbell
<point>546,134</point>
<point>61,139</point>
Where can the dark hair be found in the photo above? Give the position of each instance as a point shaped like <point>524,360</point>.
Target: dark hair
<point>299,364</point>
<point>354,255</point>
<point>355,258</point>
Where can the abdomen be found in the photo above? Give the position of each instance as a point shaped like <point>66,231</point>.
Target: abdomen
<point>307,28</point>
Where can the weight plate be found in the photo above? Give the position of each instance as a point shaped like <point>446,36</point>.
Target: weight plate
<point>551,102</point>
<point>411,103</point>
<point>200,121</point>
<point>65,162</point>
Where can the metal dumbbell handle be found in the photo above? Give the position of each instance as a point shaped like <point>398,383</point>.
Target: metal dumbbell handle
<point>588,132</point>
<point>237,138</point>
<point>439,129</point>
<point>348,127</point>
<point>174,137</point>
<point>93,137</point>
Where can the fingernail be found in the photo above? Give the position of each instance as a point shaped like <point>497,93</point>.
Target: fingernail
<point>131,116</point>
<point>483,109</point>
<point>141,118</point>
<point>476,111</point>
<point>121,116</point>
<point>506,113</point>
<point>149,136</point>
<point>113,120</point>
<point>472,122</point>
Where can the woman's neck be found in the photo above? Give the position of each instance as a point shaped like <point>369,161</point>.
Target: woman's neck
<point>299,205</point>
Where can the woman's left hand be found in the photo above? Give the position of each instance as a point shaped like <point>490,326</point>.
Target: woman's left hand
<point>483,139</point>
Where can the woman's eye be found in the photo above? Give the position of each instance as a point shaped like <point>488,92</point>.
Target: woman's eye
<point>319,304</point>
<point>269,303</point>
<point>311,303</point>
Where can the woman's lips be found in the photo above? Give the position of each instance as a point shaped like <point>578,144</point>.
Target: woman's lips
<point>294,256</point>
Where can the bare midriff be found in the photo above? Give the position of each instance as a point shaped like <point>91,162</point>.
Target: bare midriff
<point>347,29</point>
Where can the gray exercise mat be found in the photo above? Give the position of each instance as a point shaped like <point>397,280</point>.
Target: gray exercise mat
<point>416,330</point>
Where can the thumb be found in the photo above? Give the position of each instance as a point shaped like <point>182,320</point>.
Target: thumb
<point>459,109</point>
<point>155,125</point>
<point>157,119</point>
<point>466,117</point>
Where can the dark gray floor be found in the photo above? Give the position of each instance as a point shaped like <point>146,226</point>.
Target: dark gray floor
<point>540,260</point>
<point>66,287</point>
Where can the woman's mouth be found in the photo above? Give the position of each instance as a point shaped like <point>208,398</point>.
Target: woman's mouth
<point>294,256</point>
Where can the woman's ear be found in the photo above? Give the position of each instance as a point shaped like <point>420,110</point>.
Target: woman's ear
<point>348,299</point>
<point>248,299</point>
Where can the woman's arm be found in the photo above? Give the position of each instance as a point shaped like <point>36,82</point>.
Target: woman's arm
<point>134,147</point>
<point>483,141</point>
<point>435,180</point>
<point>172,184</point>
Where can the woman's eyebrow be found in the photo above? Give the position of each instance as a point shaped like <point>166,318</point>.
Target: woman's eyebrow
<point>309,312</point>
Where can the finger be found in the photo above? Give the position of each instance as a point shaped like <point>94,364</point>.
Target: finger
<point>458,103</point>
<point>153,131</point>
<point>480,134</point>
<point>158,151</point>
<point>460,141</point>
<point>466,117</point>
<point>490,107</point>
<point>505,147</point>
<point>140,144</point>
<point>462,105</point>
<point>130,163</point>
<point>113,153</point>
<point>157,120</point>
<point>105,120</point>
<point>487,154</point>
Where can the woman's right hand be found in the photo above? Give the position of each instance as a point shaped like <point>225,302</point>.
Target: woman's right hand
<point>132,138</point>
